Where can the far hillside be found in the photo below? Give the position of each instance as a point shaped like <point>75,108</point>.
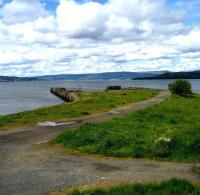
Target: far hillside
<point>173,75</point>
<point>92,76</point>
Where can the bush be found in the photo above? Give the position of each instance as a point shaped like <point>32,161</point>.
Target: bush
<point>139,152</point>
<point>181,87</point>
<point>112,142</point>
<point>85,113</point>
<point>163,147</point>
<point>195,146</point>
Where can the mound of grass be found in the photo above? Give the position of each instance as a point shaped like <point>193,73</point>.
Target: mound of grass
<point>173,186</point>
<point>90,103</point>
<point>169,131</point>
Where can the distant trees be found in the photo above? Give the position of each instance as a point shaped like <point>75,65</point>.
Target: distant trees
<point>181,87</point>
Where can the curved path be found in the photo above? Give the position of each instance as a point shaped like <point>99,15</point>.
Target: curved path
<point>28,165</point>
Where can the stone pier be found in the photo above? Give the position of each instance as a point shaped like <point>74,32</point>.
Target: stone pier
<point>65,94</point>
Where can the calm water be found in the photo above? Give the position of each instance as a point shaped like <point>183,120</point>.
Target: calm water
<point>22,96</point>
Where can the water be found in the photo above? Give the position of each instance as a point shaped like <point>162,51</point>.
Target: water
<point>22,96</point>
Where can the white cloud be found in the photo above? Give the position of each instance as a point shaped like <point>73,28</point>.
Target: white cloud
<point>79,20</point>
<point>189,42</point>
<point>19,11</point>
<point>117,18</point>
<point>132,35</point>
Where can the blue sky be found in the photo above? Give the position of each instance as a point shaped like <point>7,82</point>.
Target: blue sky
<point>39,37</point>
<point>191,19</point>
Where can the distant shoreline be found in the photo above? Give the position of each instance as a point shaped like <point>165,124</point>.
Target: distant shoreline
<point>108,76</point>
<point>172,75</point>
<point>134,79</point>
<point>153,78</point>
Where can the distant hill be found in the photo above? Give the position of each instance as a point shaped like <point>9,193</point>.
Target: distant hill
<point>173,75</point>
<point>14,79</point>
<point>104,76</point>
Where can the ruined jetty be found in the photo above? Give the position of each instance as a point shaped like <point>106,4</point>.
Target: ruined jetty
<point>65,94</point>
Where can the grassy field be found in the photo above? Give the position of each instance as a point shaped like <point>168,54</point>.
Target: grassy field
<point>169,131</point>
<point>171,187</point>
<point>90,103</point>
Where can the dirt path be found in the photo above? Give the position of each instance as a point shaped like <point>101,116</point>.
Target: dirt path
<point>28,165</point>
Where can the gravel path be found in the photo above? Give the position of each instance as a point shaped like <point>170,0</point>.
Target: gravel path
<point>28,165</point>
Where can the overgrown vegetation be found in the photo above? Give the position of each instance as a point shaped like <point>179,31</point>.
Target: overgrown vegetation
<point>90,103</point>
<point>181,87</point>
<point>169,131</point>
<point>173,186</point>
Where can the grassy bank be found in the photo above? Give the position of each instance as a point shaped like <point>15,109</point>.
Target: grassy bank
<point>169,131</point>
<point>90,103</point>
<point>173,186</point>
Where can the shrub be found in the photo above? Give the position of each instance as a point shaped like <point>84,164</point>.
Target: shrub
<point>195,146</point>
<point>163,147</point>
<point>181,87</point>
<point>139,152</point>
<point>85,113</point>
<point>112,142</point>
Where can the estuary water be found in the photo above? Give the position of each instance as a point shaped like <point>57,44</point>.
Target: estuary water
<point>22,96</point>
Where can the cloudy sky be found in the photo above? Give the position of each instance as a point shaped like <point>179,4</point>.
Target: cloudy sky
<point>40,37</point>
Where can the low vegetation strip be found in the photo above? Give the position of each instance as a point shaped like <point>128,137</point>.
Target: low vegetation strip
<point>168,131</point>
<point>173,186</point>
<point>89,103</point>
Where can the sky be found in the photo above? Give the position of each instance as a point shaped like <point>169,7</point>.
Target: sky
<point>48,37</point>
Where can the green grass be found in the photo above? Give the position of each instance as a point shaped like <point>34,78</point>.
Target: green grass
<point>168,131</point>
<point>90,103</point>
<point>171,187</point>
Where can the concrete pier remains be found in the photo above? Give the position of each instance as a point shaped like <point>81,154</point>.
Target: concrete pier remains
<point>65,94</point>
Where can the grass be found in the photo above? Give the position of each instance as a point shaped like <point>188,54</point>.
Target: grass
<point>90,103</point>
<point>171,187</point>
<point>168,131</point>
